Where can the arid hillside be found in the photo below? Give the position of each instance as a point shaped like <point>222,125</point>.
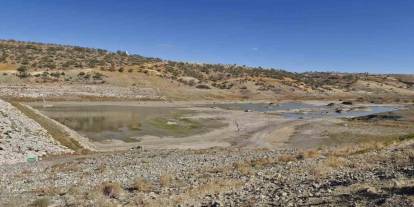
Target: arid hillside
<point>47,65</point>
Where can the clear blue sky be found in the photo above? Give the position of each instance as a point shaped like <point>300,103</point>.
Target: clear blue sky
<point>374,36</point>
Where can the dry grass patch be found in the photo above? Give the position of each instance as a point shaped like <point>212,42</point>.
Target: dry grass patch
<point>353,149</point>
<point>142,185</point>
<point>211,187</point>
<point>24,173</point>
<point>406,137</point>
<point>41,202</point>
<point>244,168</point>
<point>366,145</point>
<point>74,190</point>
<point>65,167</point>
<point>322,168</point>
<point>111,189</point>
<point>215,170</point>
<point>101,168</point>
<point>105,203</point>
<point>7,67</point>
<point>47,190</point>
<point>406,157</point>
<point>262,162</point>
<point>319,171</point>
<point>286,158</point>
<point>192,194</point>
<point>335,162</point>
<point>247,167</point>
<point>165,180</point>
<point>310,154</point>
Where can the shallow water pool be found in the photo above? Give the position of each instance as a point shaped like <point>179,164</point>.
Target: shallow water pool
<point>128,123</point>
<point>296,110</point>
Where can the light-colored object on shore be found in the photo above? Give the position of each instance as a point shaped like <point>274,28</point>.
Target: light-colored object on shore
<point>32,158</point>
<point>171,123</point>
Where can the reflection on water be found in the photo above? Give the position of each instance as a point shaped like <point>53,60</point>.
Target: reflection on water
<point>97,121</point>
<point>103,122</point>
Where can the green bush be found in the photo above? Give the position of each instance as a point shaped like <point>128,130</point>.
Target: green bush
<point>23,71</point>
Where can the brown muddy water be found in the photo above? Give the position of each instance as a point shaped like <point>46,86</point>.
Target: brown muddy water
<point>128,123</point>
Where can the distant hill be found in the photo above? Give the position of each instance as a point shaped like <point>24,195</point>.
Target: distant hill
<point>45,62</point>
<point>54,56</point>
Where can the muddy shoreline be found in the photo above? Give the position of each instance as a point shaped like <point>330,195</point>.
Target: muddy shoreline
<point>253,130</point>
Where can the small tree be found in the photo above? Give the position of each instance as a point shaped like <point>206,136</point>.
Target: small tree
<point>45,75</point>
<point>23,71</point>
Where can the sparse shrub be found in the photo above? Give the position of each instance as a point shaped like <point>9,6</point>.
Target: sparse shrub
<point>300,156</point>
<point>165,180</point>
<point>357,149</point>
<point>191,82</point>
<point>308,154</point>
<point>286,158</point>
<point>111,189</point>
<point>55,74</point>
<point>335,162</point>
<point>262,162</point>
<point>318,170</point>
<point>143,185</point>
<point>243,167</point>
<point>105,203</point>
<point>406,137</point>
<point>97,76</point>
<point>23,71</point>
<point>45,75</point>
<point>41,202</point>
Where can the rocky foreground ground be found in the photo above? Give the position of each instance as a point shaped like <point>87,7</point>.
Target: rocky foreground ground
<point>379,173</point>
<point>21,137</point>
<point>369,175</point>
